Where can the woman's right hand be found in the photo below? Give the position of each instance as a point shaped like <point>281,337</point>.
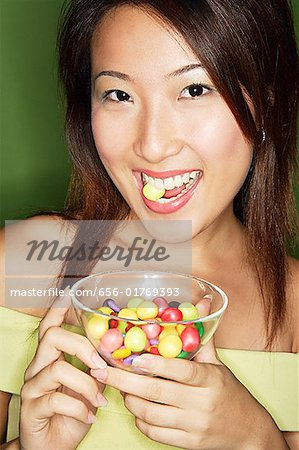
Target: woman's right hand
<point>58,401</point>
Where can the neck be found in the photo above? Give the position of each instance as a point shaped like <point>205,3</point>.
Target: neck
<point>220,245</point>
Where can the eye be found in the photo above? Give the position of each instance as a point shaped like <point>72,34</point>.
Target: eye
<point>115,96</point>
<point>195,90</point>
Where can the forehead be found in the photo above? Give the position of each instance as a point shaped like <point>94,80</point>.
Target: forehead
<point>129,36</point>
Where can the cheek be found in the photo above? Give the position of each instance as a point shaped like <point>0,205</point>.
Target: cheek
<point>219,142</point>
<point>109,139</point>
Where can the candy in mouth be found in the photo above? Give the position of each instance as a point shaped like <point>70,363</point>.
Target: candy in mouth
<point>169,189</point>
<point>152,193</point>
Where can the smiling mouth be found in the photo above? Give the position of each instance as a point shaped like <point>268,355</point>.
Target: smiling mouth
<point>175,186</point>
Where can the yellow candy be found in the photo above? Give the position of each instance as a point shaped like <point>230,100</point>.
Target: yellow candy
<point>188,310</point>
<point>97,326</point>
<point>167,325</point>
<point>180,328</point>
<point>121,353</point>
<point>152,193</point>
<point>147,310</point>
<point>127,313</point>
<point>135,339</point>
<point>169,331</point>
<point>170,347</point>
<point>105,310</point>
<point>134,302</point>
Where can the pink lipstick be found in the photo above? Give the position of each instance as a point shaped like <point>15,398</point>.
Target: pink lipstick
<point>166,205</point>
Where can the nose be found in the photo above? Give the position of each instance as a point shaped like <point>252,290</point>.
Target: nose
<point>158,134</point>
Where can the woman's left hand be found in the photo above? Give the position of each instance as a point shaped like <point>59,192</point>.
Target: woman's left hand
<point>197,404</point>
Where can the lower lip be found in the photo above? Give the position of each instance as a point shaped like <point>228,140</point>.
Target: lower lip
<point>172,206</point>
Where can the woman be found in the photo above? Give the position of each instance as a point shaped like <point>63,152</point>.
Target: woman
<point>152,88</point>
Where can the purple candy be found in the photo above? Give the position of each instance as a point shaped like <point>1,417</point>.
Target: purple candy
<point>154,341</point>
<point>173,304</point>
<point>106,301</point>
<point>128,361</point>
<point>111,304</point>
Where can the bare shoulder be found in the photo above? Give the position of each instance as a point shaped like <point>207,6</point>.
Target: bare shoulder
<point>292,439</point>
<point>25,264</point>
<point>293,299</point>
<point>294,268</point>
<point>293,280</point>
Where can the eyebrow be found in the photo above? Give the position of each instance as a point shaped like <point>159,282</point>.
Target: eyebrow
<point>125,77</point>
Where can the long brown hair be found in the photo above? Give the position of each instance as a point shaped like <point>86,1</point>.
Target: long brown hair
<point>245,46</point>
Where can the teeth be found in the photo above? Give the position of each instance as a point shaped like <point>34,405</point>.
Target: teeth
<point>167,200</point>
<point>178,181</point>
<point>169,183</point>
<point>186,177</point>
<point>151,181</point>
<point>145,178</point>
<point>159,183</point>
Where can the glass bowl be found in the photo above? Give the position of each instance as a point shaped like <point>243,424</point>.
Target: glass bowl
<point>127,313</point>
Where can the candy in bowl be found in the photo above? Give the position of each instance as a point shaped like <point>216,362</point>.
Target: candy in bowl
<point>127,313</point>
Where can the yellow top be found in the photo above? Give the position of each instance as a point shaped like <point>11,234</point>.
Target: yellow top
<point>271,377</point>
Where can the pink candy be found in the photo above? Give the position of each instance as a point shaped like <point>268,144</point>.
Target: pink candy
<point>112,339</point>
<point>162,304</point>
<point>152,330</point>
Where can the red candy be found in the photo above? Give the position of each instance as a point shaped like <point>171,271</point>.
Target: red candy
<point>113,323</point>
<point>154,351</point>
<point>130,325</point>
<point>190,339</point>
<point>172,315</point>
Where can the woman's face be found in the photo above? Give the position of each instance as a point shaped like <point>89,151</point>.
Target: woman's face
<point>157,119</point>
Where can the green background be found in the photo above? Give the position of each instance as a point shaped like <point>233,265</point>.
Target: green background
<point>34,163</point>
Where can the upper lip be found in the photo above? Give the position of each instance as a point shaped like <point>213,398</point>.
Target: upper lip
<point>166,173</point>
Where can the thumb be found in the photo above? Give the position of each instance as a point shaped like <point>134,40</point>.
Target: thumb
<point>207,353</point>
<point>56,314</point>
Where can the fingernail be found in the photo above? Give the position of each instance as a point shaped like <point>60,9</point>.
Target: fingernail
<point>91,418</point>
<point>143,361</point>
<point>101,400</point>
<point>98,361</point>
<point>99,374</point>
